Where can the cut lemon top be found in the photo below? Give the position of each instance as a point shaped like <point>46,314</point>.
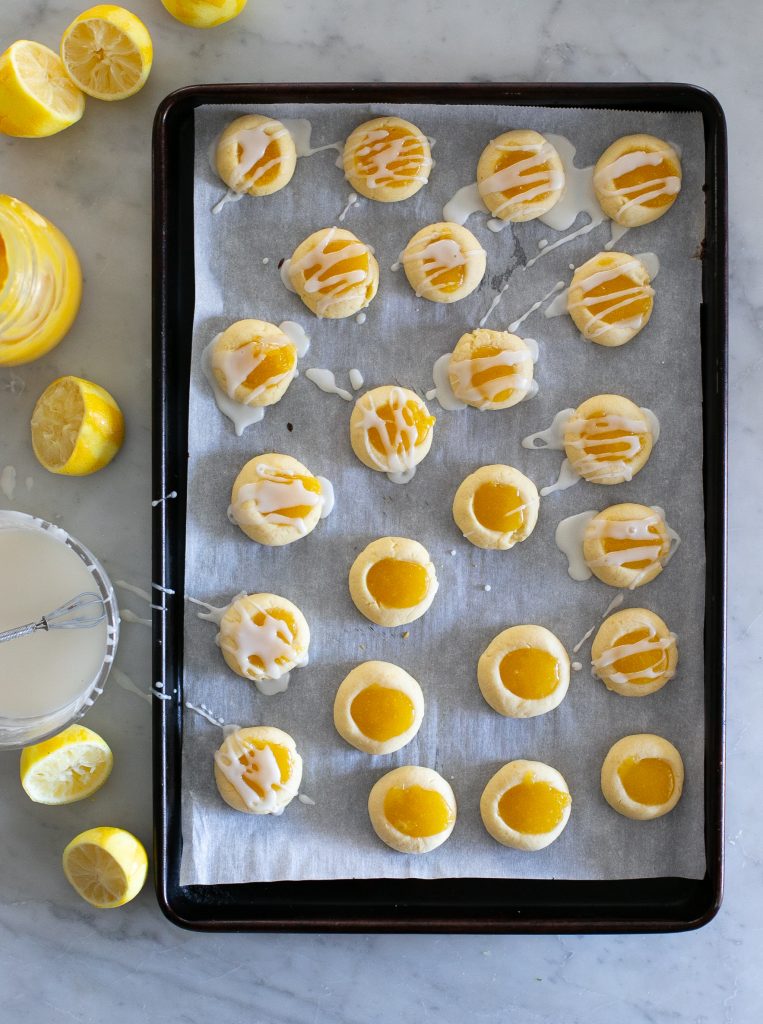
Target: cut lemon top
<point>37,97</point>
<point>77,427</point>
<point>67,767</point>
<point>106,866</point>
<point>107,52</point>
<point>204,13</point>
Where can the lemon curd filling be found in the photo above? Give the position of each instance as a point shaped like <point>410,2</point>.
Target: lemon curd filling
<point>481,377</point>
<point>647,175</point>
<point>499,507</point>
<point>620,446</point>
<point>382,712</point>
<point>610,309</point>
<point>413,415</point>
<point>445,279</point>
<point>647,780</point>
<point>513,156</point>
<point>402,169</point>
<point>653,660</point>
<point>249,761</point>
<point>287,635</point>
<point>611,544</point>
<point>310,483</point>
<point>272,153</point>
<point>530,673</point>
<point>417,812</point>
<point>394,583</point>
<point>331,274</point>
<point>273,362</point>
<point>533,807</point>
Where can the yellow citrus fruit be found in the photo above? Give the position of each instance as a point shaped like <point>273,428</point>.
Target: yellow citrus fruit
<point>37,97</point>
<point>67,767</point>
<point>107,52</point>
<point>77,427</point>
<point>107,866</point>
<point>204,13</point>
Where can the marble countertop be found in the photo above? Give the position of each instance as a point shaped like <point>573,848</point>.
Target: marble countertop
<point>60,960</point>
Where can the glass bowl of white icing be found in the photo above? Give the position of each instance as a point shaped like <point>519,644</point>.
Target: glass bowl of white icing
<point>51,678</point>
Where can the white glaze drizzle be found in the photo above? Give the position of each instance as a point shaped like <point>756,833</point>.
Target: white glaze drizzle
<point>272,642</point>
<point>213,613</point>
<point>569,539</point>
<point>615,300</point>
<point>361,317</point>
<point>528,171</point>
<point>465,370</point>
<point>389,160</point>
<point>438,258</point>
<point>463,204</point>
<point>285,271</point>
<point>326,381</point>
<point>126,615</point>
<point>254,143</point>
<point>164,498</point>
<point>203,711</point>
<point>397,459</point>
<point>612,655</point>
<point>329,285</point>
<point>275,492</point>
<point>301,131</point>
<point>616,232</point>
<point>296,335</point>
<point>536,305</point>
<point>240,415</point>
<point>8,481</point>
<point>442,389</point>
<point>352,199</point>
<point>356,379</point>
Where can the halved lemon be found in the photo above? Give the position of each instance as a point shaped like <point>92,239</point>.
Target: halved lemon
<point>204,13</point>
<point>67,767</point>
<point>107,52</point>
<point>107,866</point>
<point>77,427</point>
<point>37,97</point>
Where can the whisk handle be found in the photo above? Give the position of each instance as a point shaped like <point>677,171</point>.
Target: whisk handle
<point>14,634</point>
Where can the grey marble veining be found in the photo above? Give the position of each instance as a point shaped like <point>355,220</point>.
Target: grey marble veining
<point>60,961</point>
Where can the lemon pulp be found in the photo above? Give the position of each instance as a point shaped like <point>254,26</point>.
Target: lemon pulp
<point>647,780</point>
<point>533,807</point>
<point>287,634</point>
<point>445,279</point>
<point>512,156</point>
<point>272,153</point>
<point>59,414</point>
<point>274,362</point>
<point>611,544</point>
<point>382,712</point>
<point>530,673</point>
<point>608,309</point>
<point>335,270</point>
<point>654,659</point>
<point>499,507</point>
<point>402,169</point>
<point>395,583</point>
<point>417,812</point>
<point>283,760</point>
<point>310,483</point>
<point>491,373</point>
<point>413,414</point>
<point>647,175</point>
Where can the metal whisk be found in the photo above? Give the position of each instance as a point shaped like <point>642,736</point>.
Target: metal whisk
<point>82,612</point>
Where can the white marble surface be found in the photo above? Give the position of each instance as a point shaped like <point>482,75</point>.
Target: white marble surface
<point>60,961</point>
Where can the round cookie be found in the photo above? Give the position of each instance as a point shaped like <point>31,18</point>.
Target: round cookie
<point>526,805</point>
<point>276,500</point>
<point>412,809</point>
<point>610,298</point>
<point>334,273</point>
<point>634,653</point>
<point>496,507</point>
<point>253,362</point>
<point>608,439</point>
<point>258,770</point>
<point>256,154</point>
<point>263,636</point>
<point>637,179</point>
<point>520,176</point>
<point>626,545</point>
<point>524,672</point>
<point>378,707</point>
<point>642,776</point>
<point>387,159</point>
<point>392,581</point>
<point>491,369</point>
<point>391,430</point>
<point>444,262</point>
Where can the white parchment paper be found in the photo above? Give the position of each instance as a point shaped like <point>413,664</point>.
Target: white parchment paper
<point>461,737</point>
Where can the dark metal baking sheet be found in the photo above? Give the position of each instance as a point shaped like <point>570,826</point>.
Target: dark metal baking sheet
<point>463,905</point>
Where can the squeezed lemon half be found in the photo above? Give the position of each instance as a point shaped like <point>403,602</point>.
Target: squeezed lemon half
<point>107,866</point>
<point>67,767</point>
<point>107,52</point>
<point>77,427</point>
<point>37,97</point>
